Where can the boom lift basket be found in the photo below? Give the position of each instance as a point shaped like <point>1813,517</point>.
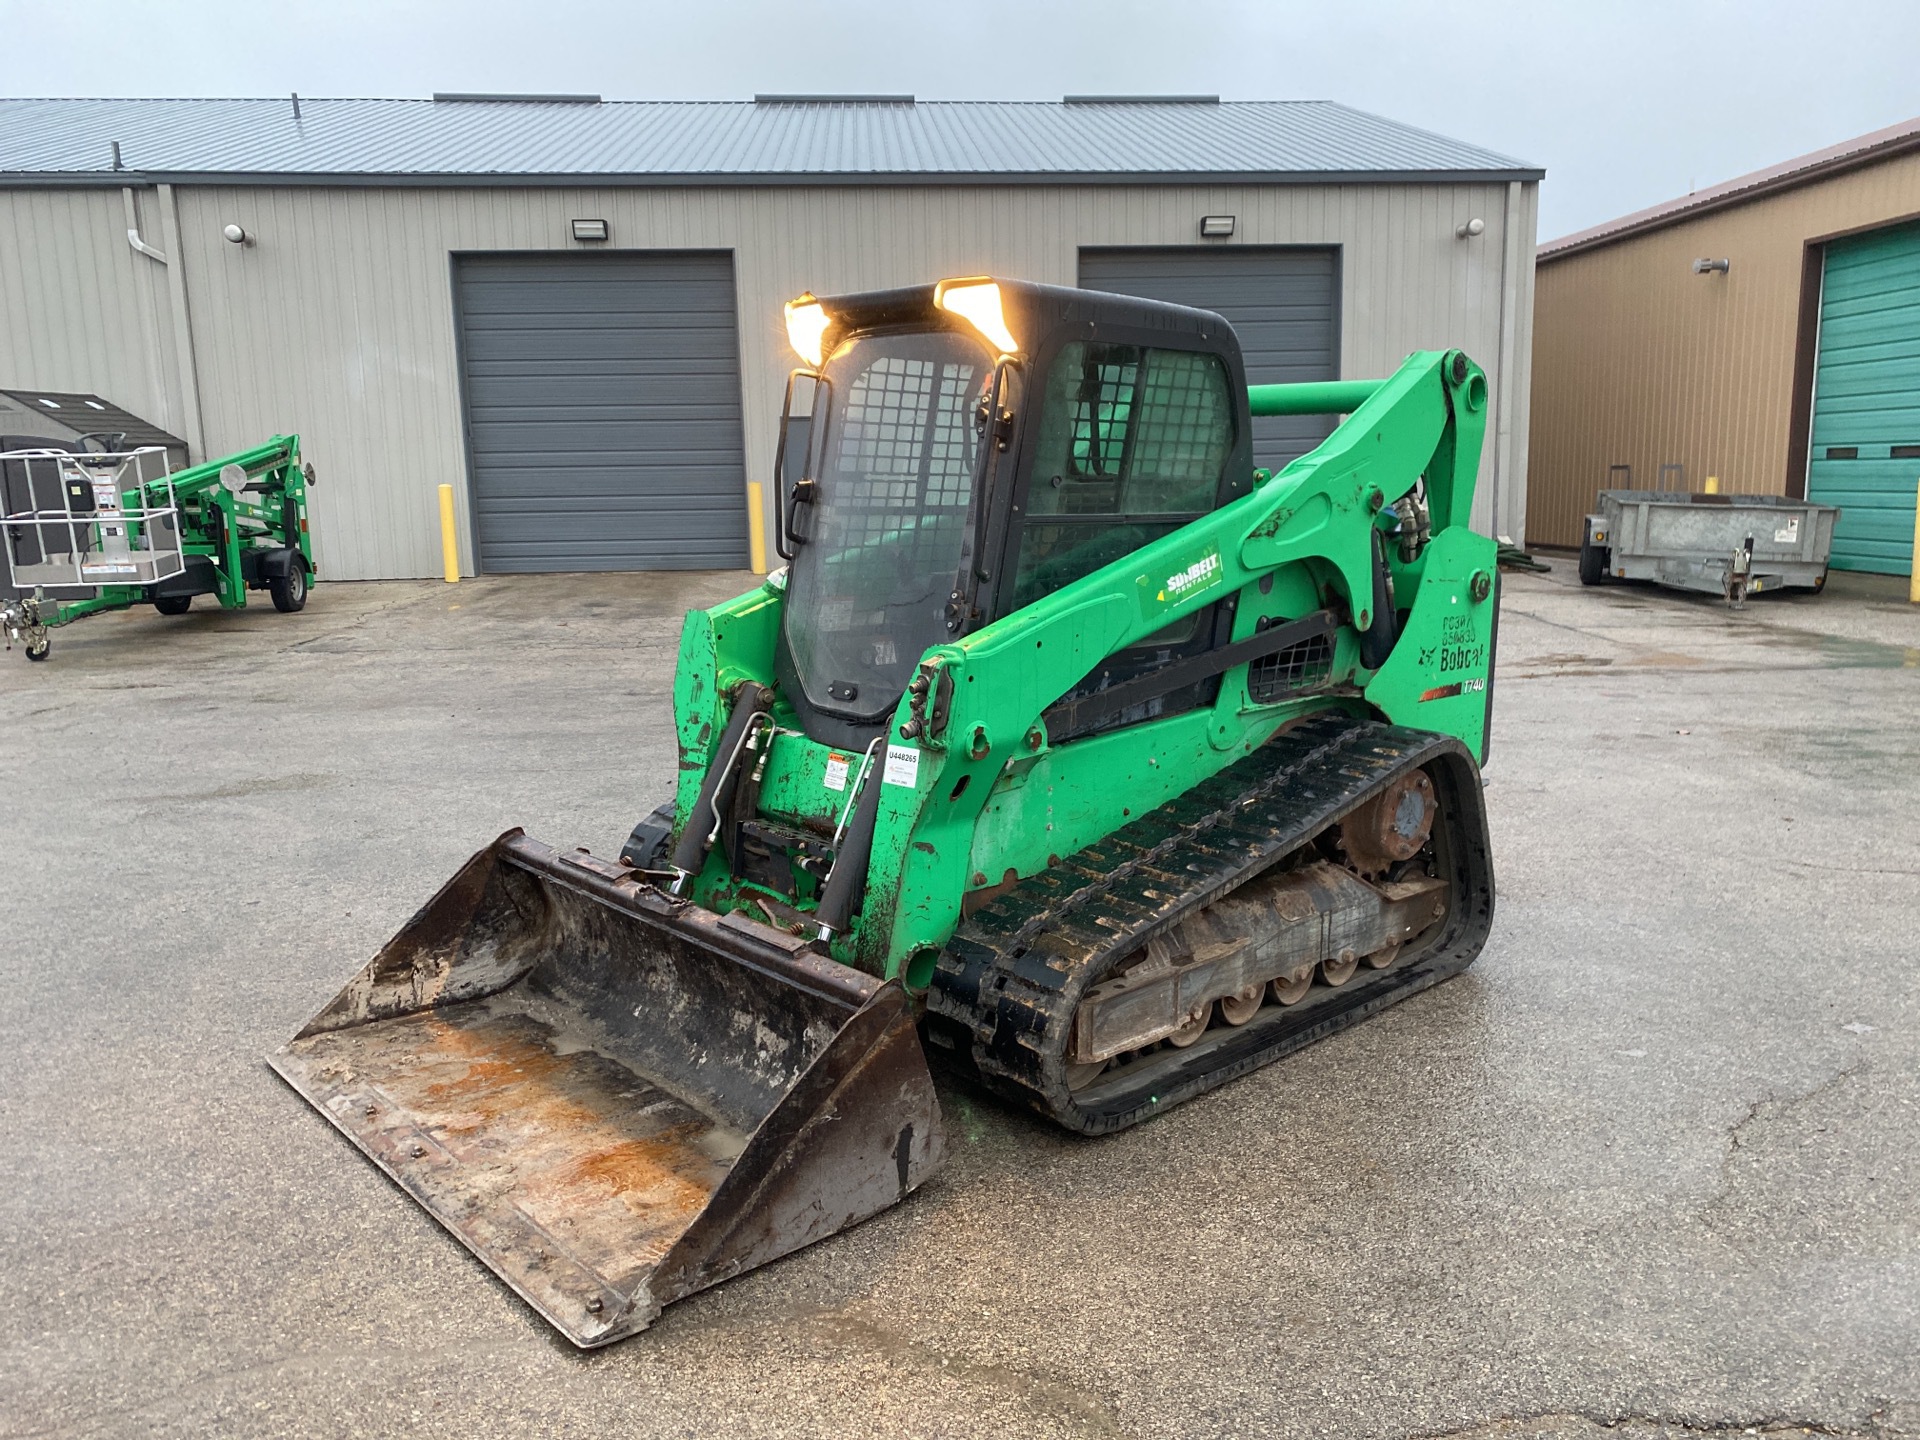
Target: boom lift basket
<point>67,522</point>
<point>614,1098</point>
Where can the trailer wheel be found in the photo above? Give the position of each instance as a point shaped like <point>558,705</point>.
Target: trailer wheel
<point>289,591</point>
<point>41,648</point>
<point>1593,563</point>
<point>173,604</point>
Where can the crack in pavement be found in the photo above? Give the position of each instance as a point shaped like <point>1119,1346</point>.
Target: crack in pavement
<point>361,622</point>
<point>1087,1413</point>
<point>1781,1104</point>
<point>1871,1426</point>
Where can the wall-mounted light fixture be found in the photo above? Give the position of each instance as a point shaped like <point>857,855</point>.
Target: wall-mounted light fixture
<point>1711,267</point>
<point>1474,227</point>
<point>237,235</point>
<point>592,231</point>
<point>1216,227</point>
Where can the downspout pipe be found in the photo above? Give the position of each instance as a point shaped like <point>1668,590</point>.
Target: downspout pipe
<point>133,228</point>
<point>182,327</point>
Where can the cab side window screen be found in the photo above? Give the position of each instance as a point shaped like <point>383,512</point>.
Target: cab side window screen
<point>1132,443</point>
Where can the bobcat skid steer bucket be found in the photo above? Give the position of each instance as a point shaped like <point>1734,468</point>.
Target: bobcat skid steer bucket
<point>615,1098</point>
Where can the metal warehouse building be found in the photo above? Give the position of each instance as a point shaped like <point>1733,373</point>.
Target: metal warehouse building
<point>571,310</point>
<point>1765,332</point>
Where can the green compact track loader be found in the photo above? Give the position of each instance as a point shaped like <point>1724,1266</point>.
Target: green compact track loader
<point>1069,750</point>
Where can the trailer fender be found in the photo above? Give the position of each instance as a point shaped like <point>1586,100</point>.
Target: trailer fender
<point>260,566</point>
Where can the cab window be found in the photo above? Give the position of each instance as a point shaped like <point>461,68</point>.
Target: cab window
<point>1132,444</point>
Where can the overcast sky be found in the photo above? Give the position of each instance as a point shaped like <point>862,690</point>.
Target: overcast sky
<point>1624,103</point>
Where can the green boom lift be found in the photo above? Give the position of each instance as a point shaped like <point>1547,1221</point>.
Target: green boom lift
<point>1069,749</point>
<point>120,526</point>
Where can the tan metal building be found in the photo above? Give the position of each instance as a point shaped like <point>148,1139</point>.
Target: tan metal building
<point>570,310</point>
<point>1765,332</point>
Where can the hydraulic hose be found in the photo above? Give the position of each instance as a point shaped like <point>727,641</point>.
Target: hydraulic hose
<point>1376,641</point>
<point>750,702</point>
<point>847,882</point>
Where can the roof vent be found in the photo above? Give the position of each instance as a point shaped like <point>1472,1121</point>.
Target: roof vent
<point>1140,100</point>
<point>833,99</point>
<point>483,98</point>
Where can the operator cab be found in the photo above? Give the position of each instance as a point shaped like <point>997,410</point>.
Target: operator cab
<point>951,453</point>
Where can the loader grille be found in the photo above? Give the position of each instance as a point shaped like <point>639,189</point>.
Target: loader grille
<point>1303,666</point>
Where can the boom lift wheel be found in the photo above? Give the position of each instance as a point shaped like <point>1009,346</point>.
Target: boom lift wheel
<point>290,590</point>
<point>41,648</point>
<point>173,604</point>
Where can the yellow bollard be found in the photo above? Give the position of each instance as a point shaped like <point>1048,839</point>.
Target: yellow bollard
<point>1913,566</point>
<point>1713,484</point>
<point>449,541</point>
<point>757,526</point>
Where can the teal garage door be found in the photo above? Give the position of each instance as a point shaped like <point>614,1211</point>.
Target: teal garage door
<point>1865,455</point>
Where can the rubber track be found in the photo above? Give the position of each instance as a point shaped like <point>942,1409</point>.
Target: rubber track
<point>1005,989</point>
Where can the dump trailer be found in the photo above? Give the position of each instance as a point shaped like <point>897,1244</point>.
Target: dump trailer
<point>1069,749</point>
<point>111,530</point>
<point>1726,545</point>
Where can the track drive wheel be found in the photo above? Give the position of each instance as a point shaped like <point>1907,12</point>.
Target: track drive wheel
<point>1079,1076</point>
<point>1192,1028</point>
<point>1241,1006</point>
<point>1292,989</point>
<point>1338,969</point>
<point>289,591</point>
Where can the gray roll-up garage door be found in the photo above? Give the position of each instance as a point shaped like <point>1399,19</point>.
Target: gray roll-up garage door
<point>603,411</point>
<point>1283,304</point>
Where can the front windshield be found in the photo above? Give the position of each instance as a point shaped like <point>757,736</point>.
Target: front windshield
<point>880,546</point>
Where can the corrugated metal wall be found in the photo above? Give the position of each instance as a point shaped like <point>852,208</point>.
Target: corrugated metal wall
<point>1638,361</point>
<point>77,300</point>
<point>338,321</point>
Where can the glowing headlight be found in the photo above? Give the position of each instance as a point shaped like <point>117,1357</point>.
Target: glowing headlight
<point>807,329</point>
<point>978,303</point>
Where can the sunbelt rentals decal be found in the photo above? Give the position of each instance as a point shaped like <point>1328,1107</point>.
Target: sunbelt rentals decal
<point>1199,576</point>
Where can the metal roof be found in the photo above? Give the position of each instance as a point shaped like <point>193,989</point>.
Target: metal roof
<point>1848,155</point>
<point>83,414</point>
<point>776,139</point>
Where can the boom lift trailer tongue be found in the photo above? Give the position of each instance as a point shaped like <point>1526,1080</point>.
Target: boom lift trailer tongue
<point>1068,741</point>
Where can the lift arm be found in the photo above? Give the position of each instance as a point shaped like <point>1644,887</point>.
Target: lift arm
<point>1426,420</point>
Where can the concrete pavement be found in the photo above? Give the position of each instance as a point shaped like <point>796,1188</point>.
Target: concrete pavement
<point>1652,1166</point>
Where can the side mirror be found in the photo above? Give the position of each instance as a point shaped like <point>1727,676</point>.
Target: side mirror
<point>793,482</point>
